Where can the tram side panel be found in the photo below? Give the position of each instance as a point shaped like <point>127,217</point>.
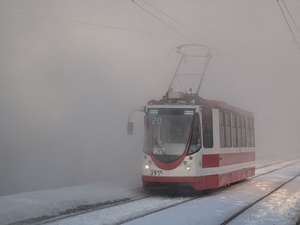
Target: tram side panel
<point>223,165</point>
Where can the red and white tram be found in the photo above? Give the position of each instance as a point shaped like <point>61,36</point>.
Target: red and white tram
<point>190,140</point>
<point>204,143</point>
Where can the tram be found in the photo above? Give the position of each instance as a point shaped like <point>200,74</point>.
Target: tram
<point>204,143</point>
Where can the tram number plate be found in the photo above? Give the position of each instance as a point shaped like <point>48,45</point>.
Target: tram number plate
<point>156,172</point>
<point>159,151</point>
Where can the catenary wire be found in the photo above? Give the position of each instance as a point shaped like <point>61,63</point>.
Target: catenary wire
<point>170,26</point>
<point>288,24</point>
<point>174,19</point>
<point>87,23</point>
<point>102,25</point>
<point>291,15</point>
<point>182,25</point>
<point>162,21</point>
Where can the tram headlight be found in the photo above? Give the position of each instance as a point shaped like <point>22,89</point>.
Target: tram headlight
<point>188,168</point>
<point>147,167</point>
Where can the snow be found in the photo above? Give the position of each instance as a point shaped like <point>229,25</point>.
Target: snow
<point>215,208</point>
<point>120,213</point>
<point>272,211</point>
<point>20,207</point>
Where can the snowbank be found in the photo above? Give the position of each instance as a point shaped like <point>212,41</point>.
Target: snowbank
<point>24,206</point>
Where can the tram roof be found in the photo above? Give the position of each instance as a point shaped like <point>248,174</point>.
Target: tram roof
<point>224,105</point>
<point>189,99</point>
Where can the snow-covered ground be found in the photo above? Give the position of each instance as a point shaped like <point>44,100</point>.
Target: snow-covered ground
<point>282,207</point>
<point>19,207</point>
<point>272,211</point>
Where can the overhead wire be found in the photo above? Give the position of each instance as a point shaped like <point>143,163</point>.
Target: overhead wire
<point>180,24</point>
<point>162,21</point>
<point>288,25</point>
<point>291,15</point>
<point>88,23</point>
<point>173,19</point>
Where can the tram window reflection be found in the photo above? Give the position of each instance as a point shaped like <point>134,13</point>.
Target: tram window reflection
<point>178,135</point>
<point>207,127</point>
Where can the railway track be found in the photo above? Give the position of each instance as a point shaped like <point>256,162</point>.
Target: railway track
<point>235,206</point>
<point>152,202</point>
<point>241,211</point>
<point>131,210</point>
<point>158,200</point>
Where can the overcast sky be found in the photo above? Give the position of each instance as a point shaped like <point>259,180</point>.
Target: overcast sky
<point>71,71</point>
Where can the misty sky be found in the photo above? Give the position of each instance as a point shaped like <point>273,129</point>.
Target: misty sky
<point>71,71</point>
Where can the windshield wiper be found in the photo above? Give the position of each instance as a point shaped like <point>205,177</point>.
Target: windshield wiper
<point>159,146</point>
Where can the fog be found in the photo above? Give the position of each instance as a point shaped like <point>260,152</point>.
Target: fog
<point>71,71</point>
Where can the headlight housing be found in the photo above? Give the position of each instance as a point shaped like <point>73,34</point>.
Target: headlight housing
<point>188,168</point>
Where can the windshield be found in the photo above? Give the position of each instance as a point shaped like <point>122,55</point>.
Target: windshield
<point>168,132</point>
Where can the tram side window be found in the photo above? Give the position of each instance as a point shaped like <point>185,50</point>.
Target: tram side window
<point>207,127</point>
<point>234,130</point>
<point>227,129</point>
<point>239,131</point>
<point>222,129</point>
<point>243,125</point>
<point>250,133</point>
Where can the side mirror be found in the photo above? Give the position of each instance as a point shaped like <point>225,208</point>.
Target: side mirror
<point>129,128</point>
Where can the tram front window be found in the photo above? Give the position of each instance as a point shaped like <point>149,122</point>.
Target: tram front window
<point>168,132</point>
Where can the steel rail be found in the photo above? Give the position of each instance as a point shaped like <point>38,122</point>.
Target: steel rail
<point>186,197</point>
<point>240,212</point>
